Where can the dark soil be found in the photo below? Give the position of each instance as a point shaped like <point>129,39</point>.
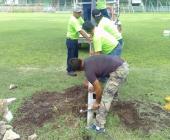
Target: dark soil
<point>130,117</point>
<point>45,106</point>
<point>142,115</point>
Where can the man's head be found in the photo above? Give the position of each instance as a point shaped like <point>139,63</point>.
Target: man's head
<point>88,27</point>
<point>77,10</point>
<point>97,15</point>
<point>76,64</point>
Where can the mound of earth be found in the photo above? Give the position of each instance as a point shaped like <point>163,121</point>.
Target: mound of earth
<point>45,106</point>
<point>140,115</point>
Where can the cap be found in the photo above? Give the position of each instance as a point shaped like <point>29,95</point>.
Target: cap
<point>96,14</point>
<point>77,9</point>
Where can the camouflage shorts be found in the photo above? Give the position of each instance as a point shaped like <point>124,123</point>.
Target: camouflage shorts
<point>114,82</point>
<point>116,79</point>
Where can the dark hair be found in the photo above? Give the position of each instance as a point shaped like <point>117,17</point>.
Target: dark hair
<point>75,64</point>
<point>88,26</point>
<point>97,15</point>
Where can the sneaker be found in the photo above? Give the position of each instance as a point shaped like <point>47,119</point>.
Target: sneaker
<point>71,73</point>
<point>96,128</point>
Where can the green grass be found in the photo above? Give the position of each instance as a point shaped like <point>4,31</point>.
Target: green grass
<point>33,52</point>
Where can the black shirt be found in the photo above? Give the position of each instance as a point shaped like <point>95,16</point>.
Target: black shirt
<point>100,66</point>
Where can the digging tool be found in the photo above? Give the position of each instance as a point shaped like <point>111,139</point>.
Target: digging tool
<point>86,110</point>
<point>91,100</point>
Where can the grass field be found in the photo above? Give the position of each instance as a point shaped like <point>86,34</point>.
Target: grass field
<point>33,56</point>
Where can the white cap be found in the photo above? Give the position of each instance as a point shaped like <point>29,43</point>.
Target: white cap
<point>77,9</point>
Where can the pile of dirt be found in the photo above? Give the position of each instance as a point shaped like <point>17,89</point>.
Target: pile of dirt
<point>44,106</point>
<point>140,115</point>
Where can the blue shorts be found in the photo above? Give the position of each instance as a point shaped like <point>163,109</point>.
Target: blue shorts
<point>104,13</point>
<point>116,51</point>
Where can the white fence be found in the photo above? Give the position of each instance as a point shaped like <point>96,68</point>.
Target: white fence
<point>21,8</point>
<point>132,9</point>
<point>68,7</point>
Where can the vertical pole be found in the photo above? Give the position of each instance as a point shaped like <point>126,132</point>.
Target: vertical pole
<point>129,2</point>
<point>93,6</point>
<point>90,114</point>
<point>118,8</point>
<point>146,5</point>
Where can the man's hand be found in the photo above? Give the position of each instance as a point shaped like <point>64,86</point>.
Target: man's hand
<point>92,53</point>
<point>90,89</point>
<point>84,34</point>
<point>95,105</point>
<point>90,40</point>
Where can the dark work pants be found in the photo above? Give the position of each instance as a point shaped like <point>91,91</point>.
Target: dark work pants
<point>104,13</point>
<point>72,51</point>
<point>121,42</point>
<point>116,51</point>
<point>87,12</point>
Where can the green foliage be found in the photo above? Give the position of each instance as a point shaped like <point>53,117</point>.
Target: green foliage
<point>33,56</point>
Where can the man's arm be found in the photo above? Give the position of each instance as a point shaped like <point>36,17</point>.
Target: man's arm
<point>84,34</point>
<point>98,90</point>
<point>96,53</point>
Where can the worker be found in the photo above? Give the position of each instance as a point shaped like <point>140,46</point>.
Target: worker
<point>107,25</point>
<point>101,66</point>
<point>103,42</point>
<point>73,31</point>
<point>87,10</point>
<point>101,5</point>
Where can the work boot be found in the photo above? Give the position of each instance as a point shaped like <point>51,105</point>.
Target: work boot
<point>71,73</point>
